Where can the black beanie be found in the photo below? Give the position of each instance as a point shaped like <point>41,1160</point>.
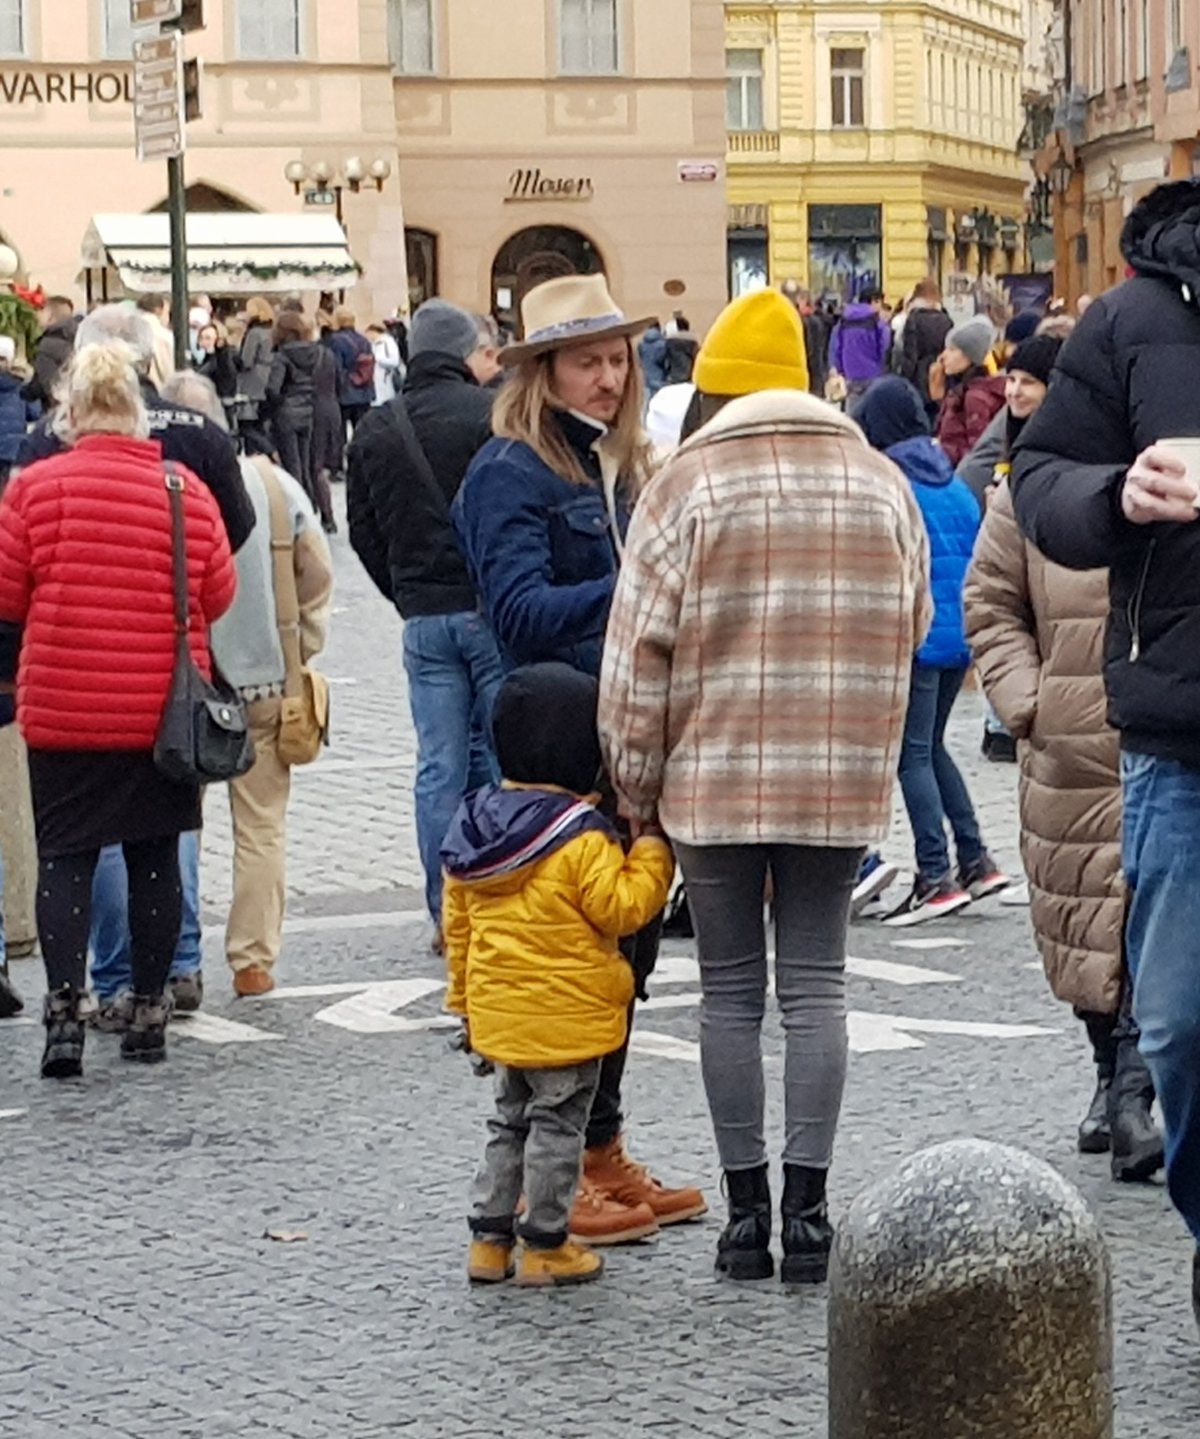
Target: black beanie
<point>544,727</point>
<point>1036,357</point>
<point>891,412</point>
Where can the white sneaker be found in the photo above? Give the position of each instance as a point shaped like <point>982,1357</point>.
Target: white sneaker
<point>874,877</point>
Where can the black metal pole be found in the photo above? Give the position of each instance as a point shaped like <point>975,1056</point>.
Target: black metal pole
<point>177,201</point>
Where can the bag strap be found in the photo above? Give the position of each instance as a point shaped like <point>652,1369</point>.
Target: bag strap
<point>283,565</point>
<point>175,487</point>
<point>417,455</point>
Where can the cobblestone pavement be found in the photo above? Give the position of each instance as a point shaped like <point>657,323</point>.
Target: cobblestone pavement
<point>142,1296</point>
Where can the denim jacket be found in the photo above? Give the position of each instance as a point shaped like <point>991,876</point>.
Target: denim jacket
<point>540,550</point>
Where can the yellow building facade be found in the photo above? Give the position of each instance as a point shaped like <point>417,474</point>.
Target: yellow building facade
<point>872,142</point>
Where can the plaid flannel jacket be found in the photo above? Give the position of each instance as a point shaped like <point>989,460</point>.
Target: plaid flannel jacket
<point>774,590</point>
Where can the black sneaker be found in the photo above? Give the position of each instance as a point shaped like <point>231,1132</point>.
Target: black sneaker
<point>145,1041</point>
<point>187,992</point>
<point>113,1016</point>
<point>928,899</point>
<point>11,1003</point>
<point>982,878</point>
<point>999,748</point>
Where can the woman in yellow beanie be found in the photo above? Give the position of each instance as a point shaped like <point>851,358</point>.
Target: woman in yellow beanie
<point>753,694</point>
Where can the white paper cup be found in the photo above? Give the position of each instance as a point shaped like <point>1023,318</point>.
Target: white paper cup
<point>1186,449</point>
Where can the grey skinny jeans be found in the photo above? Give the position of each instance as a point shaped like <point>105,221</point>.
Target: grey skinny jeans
<point>725,885</point>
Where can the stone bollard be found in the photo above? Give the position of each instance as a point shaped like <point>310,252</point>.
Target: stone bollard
<point>17,844</point>
<point>970,1297</point>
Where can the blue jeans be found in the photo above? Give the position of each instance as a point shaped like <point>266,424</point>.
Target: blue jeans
<point>1162,939</point>
<point>934,791</point>
<point>111,971</point>
<point>454,675</point>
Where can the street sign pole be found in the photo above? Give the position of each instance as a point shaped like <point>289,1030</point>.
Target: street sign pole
<point>177,204</point>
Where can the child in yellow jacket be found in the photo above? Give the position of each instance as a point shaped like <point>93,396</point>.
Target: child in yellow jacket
<point>538,892</point>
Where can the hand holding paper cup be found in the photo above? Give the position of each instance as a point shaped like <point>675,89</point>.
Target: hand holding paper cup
<point>1186,449</point>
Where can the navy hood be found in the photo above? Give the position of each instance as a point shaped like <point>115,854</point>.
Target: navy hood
<point>498,832</point>
<point>922,461</point>
<point>892,410</point>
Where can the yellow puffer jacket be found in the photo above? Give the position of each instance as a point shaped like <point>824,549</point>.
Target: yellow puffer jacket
<point>533,956</point>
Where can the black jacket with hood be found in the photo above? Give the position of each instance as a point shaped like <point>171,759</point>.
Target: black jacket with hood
<point>399,525</point>
<point>1127,377</point>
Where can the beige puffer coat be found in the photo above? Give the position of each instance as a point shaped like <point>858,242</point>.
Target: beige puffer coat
<point>1037,631</point>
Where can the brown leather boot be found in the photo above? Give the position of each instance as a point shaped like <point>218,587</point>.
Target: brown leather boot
<point>619,1177</point>
<point>253,981</point>
<point>596,1219</point>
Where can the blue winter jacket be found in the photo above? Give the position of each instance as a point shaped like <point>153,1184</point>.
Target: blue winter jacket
<point>952,518</point>
<point>540,554</point>
<point>16,415</point>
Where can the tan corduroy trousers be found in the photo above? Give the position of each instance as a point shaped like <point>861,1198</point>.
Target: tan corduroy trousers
<point>258,802</point>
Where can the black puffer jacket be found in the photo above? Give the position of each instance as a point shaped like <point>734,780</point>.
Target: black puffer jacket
<point>291,388</point>
<point>399,526</point>
<point>1127,377</point>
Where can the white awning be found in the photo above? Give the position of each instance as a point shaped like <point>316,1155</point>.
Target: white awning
<point>230,253</point>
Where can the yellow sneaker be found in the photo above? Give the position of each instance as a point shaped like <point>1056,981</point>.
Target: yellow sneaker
<point>570,1263</point>
<point>489,1261</point>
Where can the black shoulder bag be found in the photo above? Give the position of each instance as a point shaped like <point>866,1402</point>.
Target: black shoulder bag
<point>203,737</point>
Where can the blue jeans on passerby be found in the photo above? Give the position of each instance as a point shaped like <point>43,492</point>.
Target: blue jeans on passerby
<point>454,674</point>
<point>933,788</point>
<point>111,970</point>
<point>1162,943</point>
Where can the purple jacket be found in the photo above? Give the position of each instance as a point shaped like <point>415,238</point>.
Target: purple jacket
<point>859,348</point>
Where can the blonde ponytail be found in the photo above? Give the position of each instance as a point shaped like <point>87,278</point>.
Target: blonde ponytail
<point>103,394</point>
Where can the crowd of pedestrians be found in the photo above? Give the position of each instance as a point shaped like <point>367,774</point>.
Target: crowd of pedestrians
<point>666,607</point>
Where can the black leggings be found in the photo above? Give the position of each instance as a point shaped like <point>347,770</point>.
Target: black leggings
<point>64,913</point>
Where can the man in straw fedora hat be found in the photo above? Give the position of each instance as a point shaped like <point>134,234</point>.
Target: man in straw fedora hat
<point>541,518</point>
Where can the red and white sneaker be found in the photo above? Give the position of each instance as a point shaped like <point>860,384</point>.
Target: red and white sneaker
<point>982,878</point>
<point>928,899</point>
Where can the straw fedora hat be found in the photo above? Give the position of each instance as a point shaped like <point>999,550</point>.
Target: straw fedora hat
<point>569,311</point>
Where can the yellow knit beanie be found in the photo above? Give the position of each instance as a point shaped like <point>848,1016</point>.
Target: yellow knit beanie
<point>757,343</point>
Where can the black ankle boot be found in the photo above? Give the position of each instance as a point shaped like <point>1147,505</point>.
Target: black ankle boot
<point>1137,1145</point>
<point>145,1041</point>
<point>65,1031</point>
<point>807,1232</point>
<point>11,1002</point>
<point>1095,1137</point>
<point>744,1249</point>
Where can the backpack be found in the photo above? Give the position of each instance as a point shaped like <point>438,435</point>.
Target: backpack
<point>362,372</point>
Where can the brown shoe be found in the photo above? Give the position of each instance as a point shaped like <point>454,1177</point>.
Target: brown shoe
<point>597,1220</point>
<point>619,1177</point>
<point>252,981</point>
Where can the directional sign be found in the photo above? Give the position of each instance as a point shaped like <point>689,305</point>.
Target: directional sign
<point>155,12</point>
<point>158,97</point>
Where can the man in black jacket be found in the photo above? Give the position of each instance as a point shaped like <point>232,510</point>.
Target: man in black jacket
<point>54,350</point>
<point>1096,482</point>
<point>407,461</point>
<point>923,337</point>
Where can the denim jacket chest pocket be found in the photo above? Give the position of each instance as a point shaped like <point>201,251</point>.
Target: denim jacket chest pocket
<point>580,542</point>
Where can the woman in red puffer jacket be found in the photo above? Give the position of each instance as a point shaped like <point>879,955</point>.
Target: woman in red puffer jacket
<point>87,627</point>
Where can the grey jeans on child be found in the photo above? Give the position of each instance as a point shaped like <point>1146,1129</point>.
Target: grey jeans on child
<point>725,887</point>
<point>536,1148</point>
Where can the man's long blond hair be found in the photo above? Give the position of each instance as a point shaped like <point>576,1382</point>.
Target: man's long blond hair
<point>525,410</point>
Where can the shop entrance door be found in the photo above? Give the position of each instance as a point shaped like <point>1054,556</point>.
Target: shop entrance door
<point>543,252</point>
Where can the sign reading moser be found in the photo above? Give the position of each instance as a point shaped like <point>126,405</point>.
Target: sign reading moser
<point>533,185</point>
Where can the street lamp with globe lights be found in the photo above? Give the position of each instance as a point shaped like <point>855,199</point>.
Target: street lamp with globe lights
<point>322,178</point>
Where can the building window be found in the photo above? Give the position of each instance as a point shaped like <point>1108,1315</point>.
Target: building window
<point>119,33</point>
<point>845,250</point>
<point>421,249</point>
<point>588,37</point>
<point>410,24</point>
<point>1100,51</point>
<point>744,89</point>
<point>12,27</point>
<point>846,73</point>
<point>1174,28</point>
<point>268,29</point>
<point>1143,40</point>
<point>1122,42</point>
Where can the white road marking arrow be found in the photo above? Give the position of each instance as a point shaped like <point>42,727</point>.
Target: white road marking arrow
<point>372,1011</point>
<point>872,1033</point>
<point>212,1029</point>
<point>683,969</point>
<point>12,1113</point>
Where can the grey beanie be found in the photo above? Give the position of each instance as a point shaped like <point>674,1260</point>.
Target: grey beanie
<point>974,337</point>
<point>441,327</point>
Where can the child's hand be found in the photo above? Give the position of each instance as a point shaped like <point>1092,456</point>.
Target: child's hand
<point>460,1042</point>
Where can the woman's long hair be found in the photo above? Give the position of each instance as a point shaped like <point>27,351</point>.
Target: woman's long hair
<point>525,409</point>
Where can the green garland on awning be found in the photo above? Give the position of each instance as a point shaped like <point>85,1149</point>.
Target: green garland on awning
<point>269,271</point>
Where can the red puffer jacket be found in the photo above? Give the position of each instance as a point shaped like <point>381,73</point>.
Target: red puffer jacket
<point>86,568</point>
<point>968,409</point>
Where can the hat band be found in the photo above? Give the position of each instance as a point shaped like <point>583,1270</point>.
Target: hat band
<point>571,329</point>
